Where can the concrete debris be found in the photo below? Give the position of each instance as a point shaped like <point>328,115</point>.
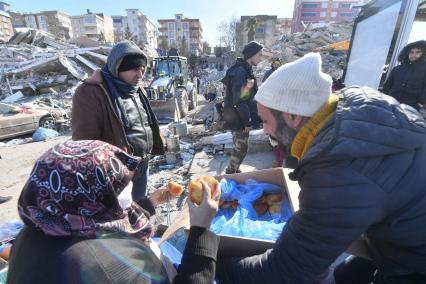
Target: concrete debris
<point>17,141</point>
<point>210,81</point>
<point>315,37</point>
<point>35,63</point>
<point>13,98</point>
<point>226,138</point>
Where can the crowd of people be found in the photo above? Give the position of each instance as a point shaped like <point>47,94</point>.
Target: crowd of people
<point>358,152</point>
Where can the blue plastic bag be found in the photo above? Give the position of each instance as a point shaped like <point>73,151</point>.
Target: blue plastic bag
<point>171,252</point>
<point>10,229</point>
<point>244,221</point>
<point>42,134</point>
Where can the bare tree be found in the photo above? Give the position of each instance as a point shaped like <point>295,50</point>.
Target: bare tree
<point>164,45</point>
<point>233,33</point>
<point>223,29</point>
<point>239,31</point>
<point>183,47</point>
<point>228,33</point>
<point>206,48</point>
<point>128,33</point>
<point>101,37</point>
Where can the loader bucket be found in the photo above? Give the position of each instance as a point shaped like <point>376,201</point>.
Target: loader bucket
<point>166,111</point>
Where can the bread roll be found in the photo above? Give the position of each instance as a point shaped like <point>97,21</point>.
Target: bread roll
<point>260,206</point>
<point>196,191</point>
<point>275,208</point>
<point>175,189</point>
<point>273,198</point>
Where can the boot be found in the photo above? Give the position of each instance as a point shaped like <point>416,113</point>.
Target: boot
<point>231,171</point>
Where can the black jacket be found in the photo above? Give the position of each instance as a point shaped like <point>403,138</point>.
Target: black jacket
<point>362,175</point>
<point>267,74</point>
<point>139,133</point>
<point>407,82</point>
<point>239,108</point>
<point>37,258</point>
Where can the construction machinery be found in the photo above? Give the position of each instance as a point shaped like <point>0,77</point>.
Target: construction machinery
<point>171,92</point>
<point>340,46</point>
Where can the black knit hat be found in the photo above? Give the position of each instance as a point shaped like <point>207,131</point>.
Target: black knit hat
<point>251,48</point>
<point>132,61</point>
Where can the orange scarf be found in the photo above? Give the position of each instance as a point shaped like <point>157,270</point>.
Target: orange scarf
<point>306,135</point>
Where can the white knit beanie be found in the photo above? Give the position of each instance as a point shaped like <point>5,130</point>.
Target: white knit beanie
<point>299,87</point>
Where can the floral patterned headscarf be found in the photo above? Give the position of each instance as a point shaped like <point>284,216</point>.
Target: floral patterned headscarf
<point>73,189</point>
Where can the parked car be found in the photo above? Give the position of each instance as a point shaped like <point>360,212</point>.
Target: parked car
<point>16,120</point>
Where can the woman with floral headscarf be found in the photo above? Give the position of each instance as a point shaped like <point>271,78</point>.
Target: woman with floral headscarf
<point>80,229</point>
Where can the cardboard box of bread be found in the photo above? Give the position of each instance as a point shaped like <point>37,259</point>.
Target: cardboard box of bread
<point>237,245</point>
<point>245,246</point>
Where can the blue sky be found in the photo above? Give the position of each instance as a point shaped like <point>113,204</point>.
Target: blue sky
<point>210,12</point>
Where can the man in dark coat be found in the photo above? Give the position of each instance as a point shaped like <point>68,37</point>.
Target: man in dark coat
<point>240,112</point>
<point>360,159</point>
<point>407,81</point>
<point>110,106</point>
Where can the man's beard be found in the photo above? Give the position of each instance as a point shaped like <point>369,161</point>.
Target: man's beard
<point>284,135</point>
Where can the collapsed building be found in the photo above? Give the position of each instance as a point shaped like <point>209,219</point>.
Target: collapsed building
<point>33,62</point>
<point>330,39</point>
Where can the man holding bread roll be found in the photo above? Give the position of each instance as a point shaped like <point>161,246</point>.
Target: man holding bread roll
<point>359,153</point>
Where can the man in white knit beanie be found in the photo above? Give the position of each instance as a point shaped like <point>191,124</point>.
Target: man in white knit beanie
<point>295,92</point>
<point>358,158</point>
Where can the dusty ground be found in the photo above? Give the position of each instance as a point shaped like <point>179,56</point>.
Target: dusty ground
<point>16,164</point>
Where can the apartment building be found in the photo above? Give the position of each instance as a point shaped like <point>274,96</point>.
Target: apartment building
<point>55,22</point>
<point>4,6</point>
<point>324,11</point>
<point>97,26</point>
<point>283,26</point>
<point>181,32</point>
<point>18,19</point>
<point>6,27</point>
<point>266,29</point>
<point>119,24</point>
<point>137,27</point>
<point>144,32</point>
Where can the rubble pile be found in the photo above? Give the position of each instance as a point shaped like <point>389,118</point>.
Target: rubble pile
<point>315,37</point>
<point>34,63</point>
<point>210,81</point>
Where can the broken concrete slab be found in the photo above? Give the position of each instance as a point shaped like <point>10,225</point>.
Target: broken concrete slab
<point>34,67</point>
